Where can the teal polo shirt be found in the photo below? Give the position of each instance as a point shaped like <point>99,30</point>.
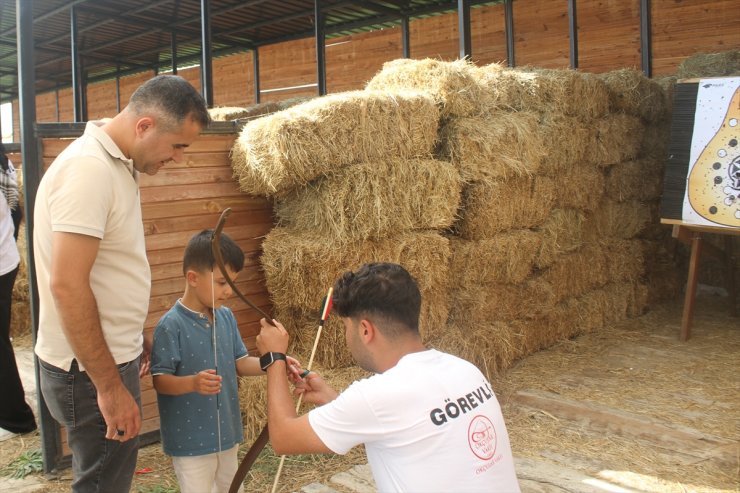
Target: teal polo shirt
<point>183,345</point>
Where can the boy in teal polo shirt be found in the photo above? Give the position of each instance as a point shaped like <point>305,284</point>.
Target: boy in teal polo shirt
<point>197,355</point>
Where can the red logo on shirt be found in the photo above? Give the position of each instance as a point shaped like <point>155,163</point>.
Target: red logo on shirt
<point>482,437</point>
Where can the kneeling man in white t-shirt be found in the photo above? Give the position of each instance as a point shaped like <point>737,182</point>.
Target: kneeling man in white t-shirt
<point>430,421</point>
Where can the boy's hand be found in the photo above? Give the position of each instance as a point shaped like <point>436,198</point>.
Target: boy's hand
<point>272,338</point>
<point>314,389</point>
<point>207,382</point>
<point>294,368</point>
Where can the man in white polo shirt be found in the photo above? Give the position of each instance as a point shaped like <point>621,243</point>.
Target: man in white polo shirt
<point>94,278</point>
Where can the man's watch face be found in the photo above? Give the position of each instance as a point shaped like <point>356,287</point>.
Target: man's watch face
<point>269,358</point>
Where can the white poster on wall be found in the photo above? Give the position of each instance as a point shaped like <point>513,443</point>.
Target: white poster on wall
<point>713,181</point>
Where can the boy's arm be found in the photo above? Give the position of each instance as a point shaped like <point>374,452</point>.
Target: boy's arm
<point>206,383</point>
<point>248,366</point>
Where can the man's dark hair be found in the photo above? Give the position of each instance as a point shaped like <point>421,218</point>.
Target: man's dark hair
<point>172,98</point>
<point>199,255</point>
<point>379,290</point>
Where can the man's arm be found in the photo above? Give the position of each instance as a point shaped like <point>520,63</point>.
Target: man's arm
<point>289,433</point>
<point>72,259</point>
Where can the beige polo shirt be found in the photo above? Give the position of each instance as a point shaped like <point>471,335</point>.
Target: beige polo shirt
<point>91,188</point>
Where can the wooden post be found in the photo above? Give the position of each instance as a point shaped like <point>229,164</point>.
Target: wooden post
<point>730,273</point>
<point>688,303</point>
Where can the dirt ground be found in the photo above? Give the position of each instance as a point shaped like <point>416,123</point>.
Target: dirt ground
<point>629,404</point>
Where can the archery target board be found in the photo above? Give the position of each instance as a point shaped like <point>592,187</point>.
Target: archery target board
<point>712,193</point>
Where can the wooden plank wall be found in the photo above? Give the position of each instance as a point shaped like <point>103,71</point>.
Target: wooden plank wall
<point>609,38</point>
<point>181,200</point>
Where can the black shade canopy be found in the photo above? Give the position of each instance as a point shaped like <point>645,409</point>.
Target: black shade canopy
<point>129,36</point>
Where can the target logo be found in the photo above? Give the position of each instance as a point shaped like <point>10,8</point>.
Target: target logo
<point>482,437</point>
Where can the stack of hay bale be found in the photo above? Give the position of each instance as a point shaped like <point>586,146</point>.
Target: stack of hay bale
<point>354,181</point>
<point>524,201</point>
<point>229,113</point>
<point>559,191</point>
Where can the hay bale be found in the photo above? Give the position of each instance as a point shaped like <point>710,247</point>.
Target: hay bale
<point>558,324</point>
<point>494,206</point>
<point>284,104</point>
<point>632,93</point>
<point>492,347</point>
<point>575,273</point>
<point>506,258</point>
<point>663,278</point>
<point>668,84</point>
<point>20,318</point>
<point>638,300</point>
<point>501,145</point>
<point>452,85</point>
<point>332,351</point>
<point>617,220</point>
<point>470,308</point>
<point>20,307</point>
<point>562,232</point>
<point>618,138</point>
<point>723,64</point>
<point>641,179</point>
<point>253,394</point>
<point>563,92</point>
<point>300,266</point>
<point>302,325</point>
<point>293,147</point>
<point>579,187</point>
<point>373,200</point>
<point>624,260</point>
<point>655,140</point>
<point>228,113</point>
<point>566,141</point>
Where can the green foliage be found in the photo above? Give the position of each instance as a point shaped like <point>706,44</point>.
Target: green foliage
<point>29,462</point>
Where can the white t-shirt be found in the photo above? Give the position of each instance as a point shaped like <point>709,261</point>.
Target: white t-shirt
<point>429,424</point>
<point>91,188</point>
<point>9,256</point>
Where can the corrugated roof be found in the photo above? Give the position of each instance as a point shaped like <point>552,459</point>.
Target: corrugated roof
<point>135,35</point>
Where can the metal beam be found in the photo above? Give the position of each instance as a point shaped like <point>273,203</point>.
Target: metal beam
<point>31,179</point>
<point>573,31</point>
<point>463,28</point>
<point>375,7</point>
<point>120,17</point>
<point>43,16</point>
<point>646,43</point>
<point>173,52</point>
<point>256,67</point>
<point>77,85</point>
<point>206,62</point>
<point>320,47</point>
<point>405,37</point>
<point>509,18</point>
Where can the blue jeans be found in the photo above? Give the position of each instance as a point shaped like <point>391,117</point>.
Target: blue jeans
<point>99,465</point>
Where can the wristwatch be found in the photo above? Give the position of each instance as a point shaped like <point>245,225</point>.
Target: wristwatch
<point>269,358</point>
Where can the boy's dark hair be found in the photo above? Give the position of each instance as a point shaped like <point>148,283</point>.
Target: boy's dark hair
<point>173,98</point>
<point>199,253</point>
<point>379,290</point>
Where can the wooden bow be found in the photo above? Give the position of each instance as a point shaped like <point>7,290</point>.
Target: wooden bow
<point>262,439</point>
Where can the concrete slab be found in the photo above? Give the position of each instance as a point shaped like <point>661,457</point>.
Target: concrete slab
<point>29,484</point>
